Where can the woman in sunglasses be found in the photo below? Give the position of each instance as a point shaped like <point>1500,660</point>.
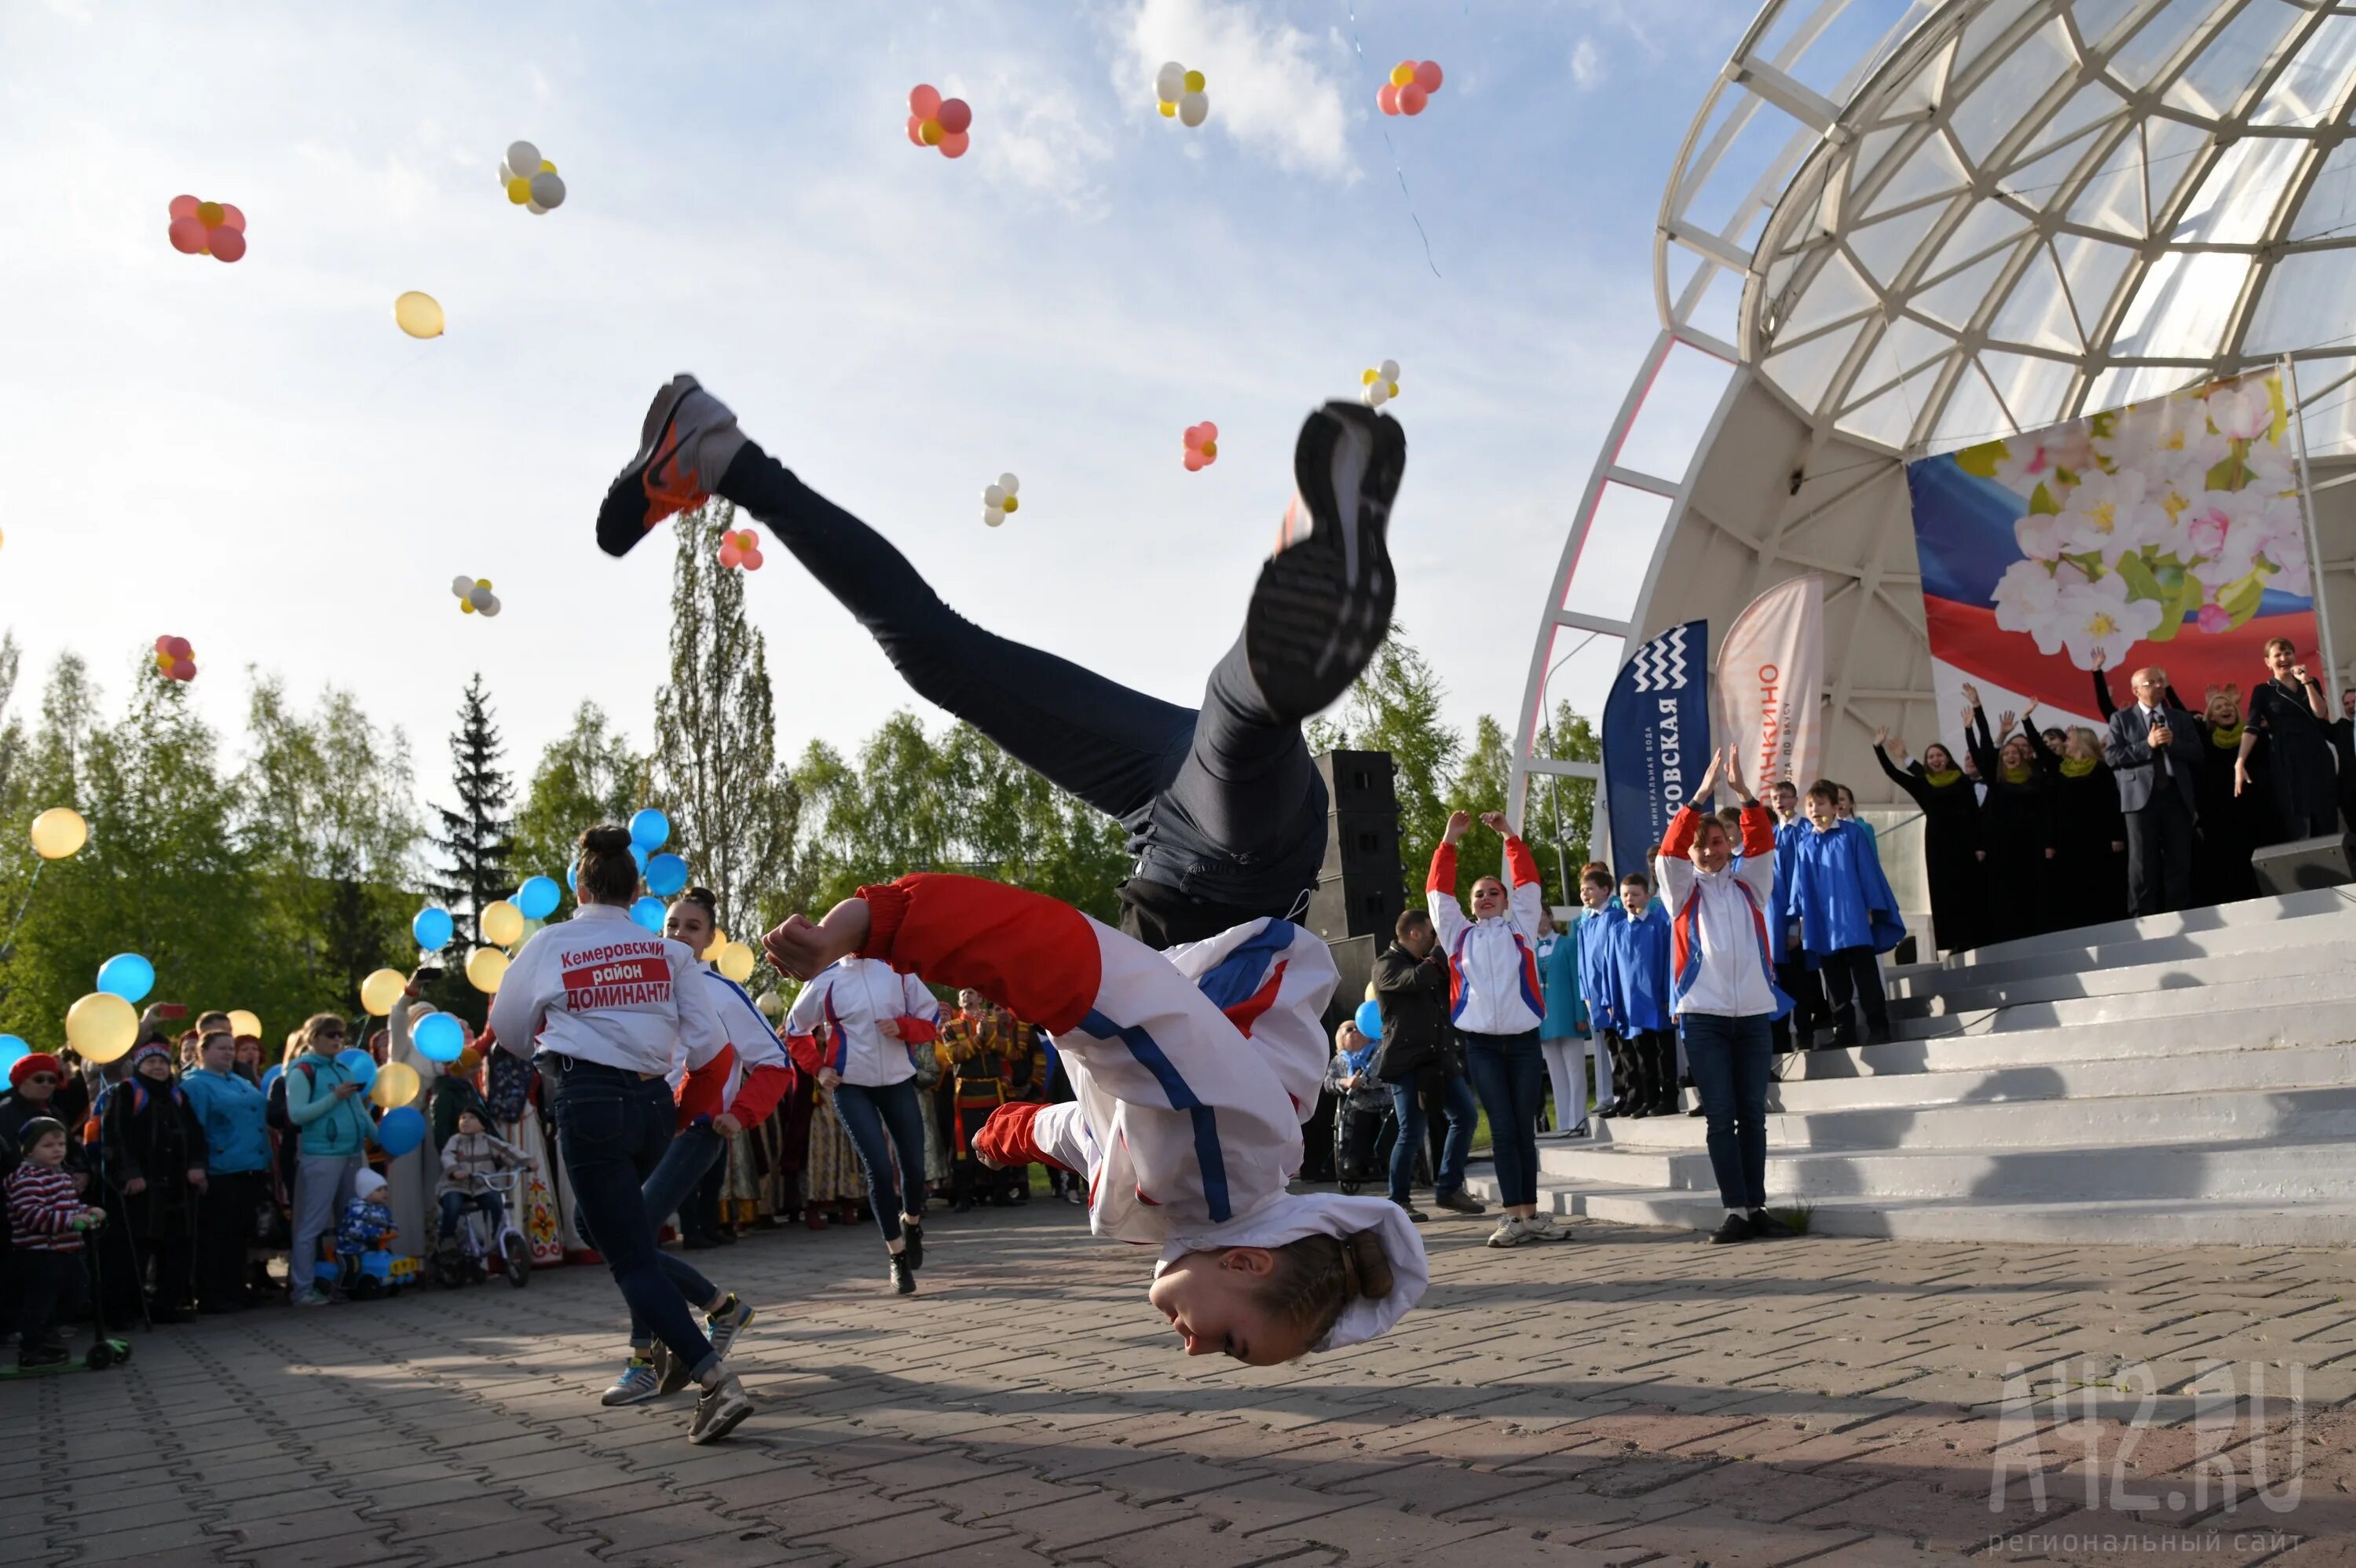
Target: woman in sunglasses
<point>323,1101</point>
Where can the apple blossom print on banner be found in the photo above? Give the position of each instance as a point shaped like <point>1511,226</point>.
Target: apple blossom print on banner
<point>2171,532</point>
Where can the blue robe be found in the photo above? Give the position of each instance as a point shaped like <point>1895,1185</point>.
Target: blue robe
<point>1778,922</point>
<point>1838,893</point>
<point>1640,971</point>
<point>1596,991</point>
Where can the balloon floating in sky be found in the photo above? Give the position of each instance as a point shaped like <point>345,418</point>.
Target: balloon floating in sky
<point>937,121</point>
<point>175,658</point>
<point>1411,85</point>
<point>531,180</point>
<point>212,228</point>
<point>741,547</point>
<point>420,315</point>
<point>998,499</point>
<point>475,596</point>
<point>1180,95</point>
<point>60,832</point>
<point>1379,385</point>
<point>1202,445</point>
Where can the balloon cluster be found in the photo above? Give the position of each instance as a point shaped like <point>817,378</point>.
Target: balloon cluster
<point>1202,445</point>
<point>475,596</point>
<point>212,228</point>
<point>937,121</point>
<point>998,499</point>
<point>175,658</point>
<point>418,315</point>
<point>741,547</point>
<point>1181,93</point>
<point>531,180</point>
<point>1379,385</point>
<point>1411,85</point>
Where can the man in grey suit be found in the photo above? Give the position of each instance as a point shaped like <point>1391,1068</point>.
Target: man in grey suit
<point>2155,754</point>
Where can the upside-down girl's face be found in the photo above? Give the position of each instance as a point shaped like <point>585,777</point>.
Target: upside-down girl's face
<point>1211,1300</point>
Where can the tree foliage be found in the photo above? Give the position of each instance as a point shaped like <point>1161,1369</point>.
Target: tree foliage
<point>588,776</point>
<point>476,839</point>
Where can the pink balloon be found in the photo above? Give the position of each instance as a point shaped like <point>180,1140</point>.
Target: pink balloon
<point>752,561</point>
<point>183,669</point>
<point>1387,99</point>
<point>231,218</point>
<point>925,101</point>
<point>956,115</point>
<point>1427,77</point>
<point>228,244</point>
<point>1413,99</point>
<point>185,206</point>
<point>187,236</point>
<point>178,647</point>
<point>1194,460</point>
<point>164,644</point>
<point>954,144</point>
<point>731,557</point>
<point>915,130</point>
<point>1210,431</point>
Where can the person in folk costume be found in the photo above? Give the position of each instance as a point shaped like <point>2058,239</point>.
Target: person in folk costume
<point>2017,827</point>
<point>2090,837</point>
<point>153,1161</point>
<point>981,1041</point>
<point>1846,914</point>
<point>1193,1068</point>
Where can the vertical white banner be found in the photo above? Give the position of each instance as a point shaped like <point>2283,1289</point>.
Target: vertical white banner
<point>1771,679</point>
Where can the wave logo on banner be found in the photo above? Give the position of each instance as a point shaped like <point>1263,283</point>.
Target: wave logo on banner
<point>1771,680</point>
<point>1655,738</point>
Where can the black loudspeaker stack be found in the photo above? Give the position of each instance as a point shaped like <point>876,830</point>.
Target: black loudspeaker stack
<point>2304,863</point>
<point>1359,889</point>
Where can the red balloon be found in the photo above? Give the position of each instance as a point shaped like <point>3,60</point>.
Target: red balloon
<point>956,115</point>
<point>954,144</point>
<point>164,644</point>
<point>228,243</point>
<point>178,647</point>
<point>1210,431</point>
<point>1413,99</point>
<point>752,561</point>
<point>185,206</point>
<point>730,556</point>
<point>183,669</point>
<point>1387,99</point>
<point>925,101</point>
<point>187,236</point>
<point>916,130</point>
<point>1194,461</point>
<point>231,218</point>
<point>1427,77</point>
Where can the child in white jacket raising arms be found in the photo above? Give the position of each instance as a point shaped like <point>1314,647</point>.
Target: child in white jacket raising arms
<point>1193,1069</point>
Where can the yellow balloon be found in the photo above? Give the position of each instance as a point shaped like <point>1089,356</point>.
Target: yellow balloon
<point>1401,74</point>
<point>242,1022</point>
<point>482,582</point>
<point>932,132</point>
<point>1210,449</point>
<point>381,989</point>
<point>466,606</point>
<point>518,190</point>
<point>210,214</point>
<point>486,969</point>
<point>1367,378</point>
<point>1013,503</point>
<point>164,661</point>
<point>102,1027</point>
<point>711,953</point>
<point>1169,111</point>
<point>502,925</point>
<point>1195,80</point>
<point>60,832</point>
<point>546,168</point>
<point>1394,388</point>
<point>420,315</point>
<point>396,1085</point>
<point>737,962</point>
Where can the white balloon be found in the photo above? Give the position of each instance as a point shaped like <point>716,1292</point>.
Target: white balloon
<point>1378,394</point>
<point>492,608</point>
<point>1193,109</point>
<point>993,496</point>
<point>1389,370</point>
<point>506,173</point>
<point>1169,82</point>
<point>535,210</point>
<point>993,515</point>
<point>1010,484</point>
<point>547,190</point>
<point>523,158</point>
<point>464,587</point>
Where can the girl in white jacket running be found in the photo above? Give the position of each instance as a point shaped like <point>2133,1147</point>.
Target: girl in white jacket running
<point>1193,1068</point>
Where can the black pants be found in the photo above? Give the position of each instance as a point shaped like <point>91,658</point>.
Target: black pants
<point>1224,810</point>
<point>1797,1030</point>
<point>1853,977</point>
<point>224,1232</point>
<point>1651,1059</point>
<point>52,1287</point>
<point>2159,854</point>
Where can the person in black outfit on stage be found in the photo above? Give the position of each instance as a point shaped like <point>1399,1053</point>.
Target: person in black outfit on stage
<point>2016,828</point>
<point>2090,838</point>
<point>1952,851</point>
<point>2288,712</point>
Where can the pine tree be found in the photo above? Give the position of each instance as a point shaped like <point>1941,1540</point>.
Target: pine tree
<point>475,840</point>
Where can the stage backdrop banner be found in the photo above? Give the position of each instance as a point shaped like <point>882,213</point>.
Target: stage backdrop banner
<point>2172,532</point>
<point>1770,682</point>
<point>1655,740</point>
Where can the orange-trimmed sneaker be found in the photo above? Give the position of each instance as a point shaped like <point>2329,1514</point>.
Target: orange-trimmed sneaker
<point>1322,603</point>
<point>689,440</point>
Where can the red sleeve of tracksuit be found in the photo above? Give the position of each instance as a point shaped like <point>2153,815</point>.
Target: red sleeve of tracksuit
<point>1005,1138</point>
<point>759,1093</point>
<point>699,1091</point>
<point>1443,879</point>
<point>1524,865</point>
<point>915,1030</point>
<point>1024,951</point>
<point>803,1049</point>
<point>1758,830</point>
<point>1679,838</point>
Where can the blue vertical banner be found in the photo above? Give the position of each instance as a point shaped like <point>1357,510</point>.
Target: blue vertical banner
<point>1655,740</point>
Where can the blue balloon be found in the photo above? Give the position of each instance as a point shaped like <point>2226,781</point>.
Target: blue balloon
<point>358,1063</point>
<point>649,913</point>
<point>572,878</point>
<point>12,1052</point>
<point>537,898</point>
<point>1370,1018</point>
<point>400,1131</point>
<point>128,976</point>
<point>269,1075</point>
<point>438,1038</point>
<point>650,830</point>
<point>666,874</point>
<point>641,857</point>
<point>433,928</point>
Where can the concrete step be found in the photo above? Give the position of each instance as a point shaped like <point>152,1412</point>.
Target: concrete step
<point>2174,995</point>
<point>2236,1115</point>
<point>2325,955</point>
<point>2269,911</point>
<point>2075,952</point>
<point>2227,1067</point>
<point>2187,1032</point>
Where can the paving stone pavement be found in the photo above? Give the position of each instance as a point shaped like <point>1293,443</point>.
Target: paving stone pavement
<point>1633,1397</point>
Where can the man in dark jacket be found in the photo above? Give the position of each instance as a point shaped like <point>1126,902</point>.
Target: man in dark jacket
<point>1419,1060</point>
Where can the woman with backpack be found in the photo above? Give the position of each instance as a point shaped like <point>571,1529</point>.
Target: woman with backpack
<point>326,1107</point>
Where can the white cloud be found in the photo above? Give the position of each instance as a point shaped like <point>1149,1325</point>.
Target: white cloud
<point>1269,89</point>
<point>1052,148</point>
<point>1586,64</point>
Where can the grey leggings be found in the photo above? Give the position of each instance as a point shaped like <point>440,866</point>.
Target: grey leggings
<point>322,1185</point>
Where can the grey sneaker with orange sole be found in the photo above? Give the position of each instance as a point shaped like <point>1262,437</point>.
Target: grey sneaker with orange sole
<point>689,439</point>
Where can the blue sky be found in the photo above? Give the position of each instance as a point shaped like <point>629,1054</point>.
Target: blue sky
<point>251,455</point>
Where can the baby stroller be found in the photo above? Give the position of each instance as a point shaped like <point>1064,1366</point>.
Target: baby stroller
<point>1363,1136</point>
<point>467,1263</point>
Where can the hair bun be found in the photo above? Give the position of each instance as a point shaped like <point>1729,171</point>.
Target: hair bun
<point>1369,1267</point>
<point>606,840</point>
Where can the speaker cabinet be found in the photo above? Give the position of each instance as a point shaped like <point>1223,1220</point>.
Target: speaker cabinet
<point>2304,863</point>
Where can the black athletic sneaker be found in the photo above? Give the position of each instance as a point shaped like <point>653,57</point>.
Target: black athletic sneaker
<point>904,1278</point>
<point>1322,603</point>
<point>1736,1228</point>
<point>688,441</point>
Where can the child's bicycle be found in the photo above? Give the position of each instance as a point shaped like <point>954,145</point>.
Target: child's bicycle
<point>468,1262</point>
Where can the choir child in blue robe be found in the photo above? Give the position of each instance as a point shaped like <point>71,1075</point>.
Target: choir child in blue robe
<point>1640,982</point>
<point>1593,930</point>
<point>1846,913</point>
<point>1793,976</point>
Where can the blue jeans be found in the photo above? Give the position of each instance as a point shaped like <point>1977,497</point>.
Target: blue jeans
<point>454,1204</point>
<point>1729,1058</point>
<point>1508,1072</point>
<point>866,1113</point>
<point>693,1151</point>
<point>1407,1107</point>
<point>611,1127</point>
